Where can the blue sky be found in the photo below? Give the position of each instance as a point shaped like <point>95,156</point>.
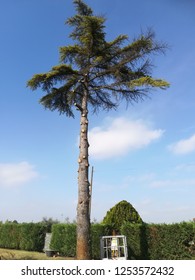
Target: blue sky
<point>145,154</point>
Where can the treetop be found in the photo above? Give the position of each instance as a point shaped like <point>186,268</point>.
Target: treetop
<point>107,71</point>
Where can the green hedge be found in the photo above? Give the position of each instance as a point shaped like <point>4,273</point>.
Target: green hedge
<point>171,242</point>
<point>10,235</point>
<point>137,239</point>
<point>64,239</point>
<point>25,236</point>
<point>160,241</point>
<point>98,230</point>
<point>32,236</point>
<point>145,241</point>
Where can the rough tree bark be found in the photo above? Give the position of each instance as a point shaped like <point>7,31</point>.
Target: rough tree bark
<point>83,219</point>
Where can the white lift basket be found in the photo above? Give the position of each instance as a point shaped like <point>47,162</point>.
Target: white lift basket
<point>113,247</point>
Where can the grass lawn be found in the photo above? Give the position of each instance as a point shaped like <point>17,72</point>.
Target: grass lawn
<point>6,254</point>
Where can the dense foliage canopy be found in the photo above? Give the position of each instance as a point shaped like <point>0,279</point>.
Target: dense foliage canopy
<point>119,214</point>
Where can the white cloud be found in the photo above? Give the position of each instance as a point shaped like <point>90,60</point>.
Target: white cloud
<point>16,174</point>
<point>152,181</point>
<point>184,146</point>
<point>185,167</point>
<point>120,136</point>
<point>173,184</point>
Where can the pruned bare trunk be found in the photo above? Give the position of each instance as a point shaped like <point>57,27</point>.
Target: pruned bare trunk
<point>83,219</point>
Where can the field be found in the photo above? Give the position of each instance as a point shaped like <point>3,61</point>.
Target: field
<point>6,254</point>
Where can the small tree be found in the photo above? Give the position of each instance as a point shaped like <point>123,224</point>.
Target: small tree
<point>96,74</point>
<point>119,214</point>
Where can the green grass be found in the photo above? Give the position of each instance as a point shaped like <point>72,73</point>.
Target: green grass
<point>7,254</point>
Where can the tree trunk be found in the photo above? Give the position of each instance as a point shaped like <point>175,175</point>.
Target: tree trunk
<point>83,219</point>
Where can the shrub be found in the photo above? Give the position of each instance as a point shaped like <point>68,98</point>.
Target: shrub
<point>98,230</point>
<point>25,236</point>
<point>170,241</point>
<point>32,236</point>
<point>121,213</point>
<point>159,241</point>
<point>10,235</point>
<point>144,241</point>
<point>137,243</point>
<point>64,239</point>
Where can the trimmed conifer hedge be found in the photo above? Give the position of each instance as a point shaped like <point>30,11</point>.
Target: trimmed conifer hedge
<point>64,239</point>
<point>171,242</point>
<point>97,231</point>
<point>160,241</point>
<point>137,240</point>
<point>25,236</point>
<point>32,236</point>
<point>145,241</point>
<point>10,235</point>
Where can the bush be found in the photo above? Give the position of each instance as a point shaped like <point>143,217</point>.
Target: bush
<point>160,241</point>
<point>121,213</point>
<point>64,239</point>
<point>144,241</point>
<point>32,236</point>
<point>25,236</point>
<point>136,235</point>
<point>170,242</point>
<point>98,230</point>
<point>10,235</point>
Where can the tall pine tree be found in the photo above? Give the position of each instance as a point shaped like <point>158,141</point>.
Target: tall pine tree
<point>96,74</point>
